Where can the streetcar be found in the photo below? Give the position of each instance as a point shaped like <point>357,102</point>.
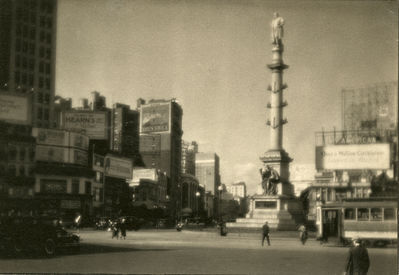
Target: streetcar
<point>372,220</point>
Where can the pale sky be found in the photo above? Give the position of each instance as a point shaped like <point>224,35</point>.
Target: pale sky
<point>212,56</point>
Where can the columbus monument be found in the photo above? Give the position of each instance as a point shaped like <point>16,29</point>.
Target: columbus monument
<point>275,201</point>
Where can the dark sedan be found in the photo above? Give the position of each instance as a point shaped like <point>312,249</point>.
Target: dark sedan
<point>35,234</point>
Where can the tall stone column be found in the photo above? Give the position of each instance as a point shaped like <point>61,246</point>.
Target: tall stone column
<point>276,155</point>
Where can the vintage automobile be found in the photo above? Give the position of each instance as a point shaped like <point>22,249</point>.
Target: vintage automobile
<point>45,236</point>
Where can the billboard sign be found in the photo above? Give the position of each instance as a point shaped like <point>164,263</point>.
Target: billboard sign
<point>155,118</point>
<point>360,156</point>
<point>118,167</point>
<point>92,124</point>
<point>51,154</point>
<point>78,141</point>
<point>77,156</point>
<point>139,174</point>
<point>50,136</point>
<point>15,108</point>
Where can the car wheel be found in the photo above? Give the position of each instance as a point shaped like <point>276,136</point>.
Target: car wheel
<point>49,247</point>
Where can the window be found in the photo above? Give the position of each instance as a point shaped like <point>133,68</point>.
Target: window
<point>22,152</point>
<point>39,113</point>
<point>376,214</point>
<point>42,21</point>
<point>87,187</point>
<point>32,34</point>
<point>11,170</point>
<point>349,213</point>
<point>48,38</point>
<point>41,67</point>
<point>25,31</point>
<point>33,18</point>
<point>49,22</point>
<point>40,97</point>
<point>46,114</point>
<point>47,68</point>
<point>42,36</point>
<point>47,83</point>
<point>31,80</point>
<point>18,45</point>
<point>31,64</point>
<point>19,29</point>
<point>48,53</point>
<point>389,214</point>
<point>32,48</point>
<point>41,52</point>
<point>362,214</point>
<point>75,186</point>
<point>12,153</point>
<point>17,61</point>
<point>21,170</point>
<point>41,82</point>
<point>47,98</point>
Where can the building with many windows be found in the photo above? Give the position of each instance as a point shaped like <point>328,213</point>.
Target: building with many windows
<point>27,54</point>
<point>207,169</point>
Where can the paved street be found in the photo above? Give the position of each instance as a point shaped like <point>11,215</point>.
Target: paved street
<point>188,252</point>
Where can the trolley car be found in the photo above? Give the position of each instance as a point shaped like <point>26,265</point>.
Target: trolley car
<point>372,220</point>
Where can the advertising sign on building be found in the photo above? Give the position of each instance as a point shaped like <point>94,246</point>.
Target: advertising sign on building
<point>155,118</point>
<point>50,136</point>
<point>77,156</point>
<point>360,156</point>
<point>141,173</point>
<point>92,124</point>
<point>15,109</point>
<point>79,141</point>
<point>118,167</point>
<point>53,186</point>
<point>51,154</point>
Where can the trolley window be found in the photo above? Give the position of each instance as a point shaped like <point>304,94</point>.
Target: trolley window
<point>376,214</point>
<point>350,214</point>
<point>389,214</point>
<point>363,214</point>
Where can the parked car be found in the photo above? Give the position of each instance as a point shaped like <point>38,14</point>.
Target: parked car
<point>42,235</point>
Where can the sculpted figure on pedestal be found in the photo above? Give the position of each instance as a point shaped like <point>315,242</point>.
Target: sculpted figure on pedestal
<point>270,178</point>
<point>277,28</point>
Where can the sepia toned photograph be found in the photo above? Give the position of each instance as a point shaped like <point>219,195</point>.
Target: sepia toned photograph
<point>199,137</point>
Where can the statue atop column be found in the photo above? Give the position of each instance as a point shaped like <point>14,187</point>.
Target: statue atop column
<point>277,28</point>
<point>270,178</point>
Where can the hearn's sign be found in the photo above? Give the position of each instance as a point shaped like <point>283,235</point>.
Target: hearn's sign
<point>360,156</point>
<point>92,124</point>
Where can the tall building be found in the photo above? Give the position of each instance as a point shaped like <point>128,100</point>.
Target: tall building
<point>160,143</point>
<point>27,54</point>
<point>207,171</point>
<point>238,189</point>
<point>188,157</point>
<point>125,131</point>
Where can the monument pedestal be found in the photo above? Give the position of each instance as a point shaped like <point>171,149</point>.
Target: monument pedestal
<point>280,211</point>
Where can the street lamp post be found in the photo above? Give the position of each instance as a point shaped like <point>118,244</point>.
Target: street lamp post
<point>197,194</point>
<point>220,188</point>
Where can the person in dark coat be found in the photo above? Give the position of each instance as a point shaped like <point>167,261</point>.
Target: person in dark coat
<point>265,233</point>
<point>122,227</point>
<point>358,261</point>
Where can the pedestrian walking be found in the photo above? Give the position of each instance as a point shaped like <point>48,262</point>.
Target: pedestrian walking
<point>358,261</point>
<point>123,228</point>
<point>115,229</point>
<point>265,233</point>
<point>303,233</point>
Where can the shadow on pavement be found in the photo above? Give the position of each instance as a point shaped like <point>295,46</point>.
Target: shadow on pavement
<point>84,249</point>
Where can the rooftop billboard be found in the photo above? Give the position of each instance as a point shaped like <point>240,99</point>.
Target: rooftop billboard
<point>92,124</point>
<point>155,118</point>
<point>360,156</point>
<point>118,167</point>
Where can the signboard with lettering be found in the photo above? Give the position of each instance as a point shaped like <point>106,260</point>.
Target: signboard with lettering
<point>15,108</point>
<point>155,118</point>
<point>141,173</point>
<point>92,124</point>
<point>53,186</point>
<point>50,136</point>
<point>51,154</point>
<point>360,156</point>
<point>118,167</point>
